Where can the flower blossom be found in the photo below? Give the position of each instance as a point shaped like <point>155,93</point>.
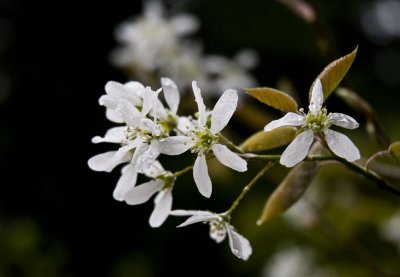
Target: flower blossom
<point>131,104</point>
<point>163,182</point>
<point>316,122</point>
<point>222,73</point>
<point>203,138</point>
<point>219,227</point>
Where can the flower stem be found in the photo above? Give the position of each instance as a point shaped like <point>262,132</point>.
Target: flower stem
<point>369,174</point>
<point>183,171</point>
<point>251,156</point>
<point>248,187</point>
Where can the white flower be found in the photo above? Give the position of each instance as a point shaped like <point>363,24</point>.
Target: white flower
<point>204,138</point>
<point>137,138</point>
<point>219,227</point>
<point>163,182</point>
<point>317,121</point>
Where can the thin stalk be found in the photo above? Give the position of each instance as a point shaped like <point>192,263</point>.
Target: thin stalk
<point>369,174</point>
<point>247,188</point>
<point>375,156</point>
<point>183,171</point>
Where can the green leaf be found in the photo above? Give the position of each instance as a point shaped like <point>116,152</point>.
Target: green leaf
<point>261,140</point>
<point>394,150</point>
<point>274,98</point>
<point>290,190</point>
<point>333,74</point>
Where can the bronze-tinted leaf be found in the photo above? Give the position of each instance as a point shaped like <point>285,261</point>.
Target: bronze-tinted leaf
<point>274,98</point>
<point>333,74</point>
<point>290,190</point>
<point>261,140</point>
<point>394,150</point>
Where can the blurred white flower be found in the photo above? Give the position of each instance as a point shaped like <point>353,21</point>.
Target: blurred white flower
<point>317,121</point>
<point>154,44</point>
<point>390,229</point>
<point>295,261</point>
<point>289,262</point>
<point>219,227</point>
<point>222,73</point>
<point>151,42</point>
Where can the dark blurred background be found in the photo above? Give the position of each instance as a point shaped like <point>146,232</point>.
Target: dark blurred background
<point>58,218</point>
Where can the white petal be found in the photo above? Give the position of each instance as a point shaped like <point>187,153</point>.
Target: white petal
<point>171,94</point>
<point>113,116</point>
<point>113,135</point>
<point>290,119</point>
<point>200,104</point>
<point>317,97</point>
<point>149,96</point>
<point>158,110</point>
<point>297,149</point>
<point>240,246</point>
<point>155,170</point>
<point>101,161</point>
<point>201,177</point>
<point>199,217</point>
<point>229,158</point>
<point>142,193</point>
<point>175,145</point>
<point>184,24</point>
<point>184,125</point>
<point>140,148</point>
<point>128,112</point>
<point>128,92</point>
<point>151,126</point>
<point>163,204</point>
<point>191,212</point>
<point>342,120</point>
<point>107,161</point>
<point>125,182</point>
<point>135,86</point>
<point>341,145</point>
<point>145,156</point>
<point>109,101</point>
<point>223,110</point>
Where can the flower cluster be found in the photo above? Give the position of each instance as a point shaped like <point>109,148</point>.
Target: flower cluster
<point>149,129</point>
<point>155,44</point>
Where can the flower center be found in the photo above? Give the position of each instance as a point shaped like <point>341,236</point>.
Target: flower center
<point>316,122</point>
<point>169,123</point>
<point>217,230</point>
<point>205,139</point>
